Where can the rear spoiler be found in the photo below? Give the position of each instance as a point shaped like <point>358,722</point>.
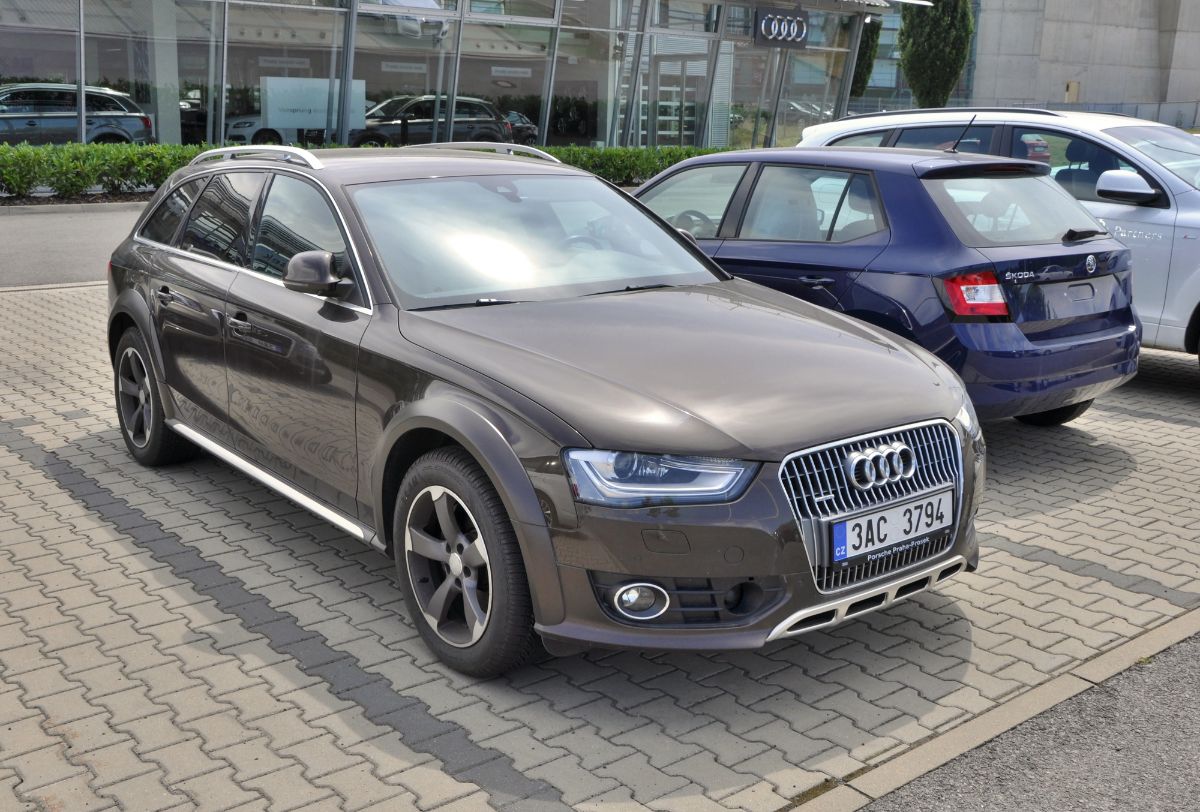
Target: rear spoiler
<point>978,169</point>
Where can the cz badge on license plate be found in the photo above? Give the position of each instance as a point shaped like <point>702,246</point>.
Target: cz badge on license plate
<point>872,533</point>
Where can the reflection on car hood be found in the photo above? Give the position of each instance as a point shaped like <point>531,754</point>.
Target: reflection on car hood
<point>725,369</point>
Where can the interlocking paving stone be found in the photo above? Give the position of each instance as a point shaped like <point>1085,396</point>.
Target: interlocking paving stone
<point>181,636</point>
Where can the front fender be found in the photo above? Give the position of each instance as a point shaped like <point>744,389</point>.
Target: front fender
<point>498,442</point>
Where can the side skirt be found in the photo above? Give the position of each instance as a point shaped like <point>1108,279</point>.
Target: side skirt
<point>331,515</point>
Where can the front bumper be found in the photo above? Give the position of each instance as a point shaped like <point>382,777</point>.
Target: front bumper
<point>755,540</point>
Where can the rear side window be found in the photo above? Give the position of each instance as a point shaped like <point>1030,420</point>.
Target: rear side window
<point>975,139</point>
<point>220,222</point>
<point>295,218</point>
<point>1008,210</point>
<point>696,199</point>
<point>874,139</point>
<point>809,204</point>
<point>164,223</point>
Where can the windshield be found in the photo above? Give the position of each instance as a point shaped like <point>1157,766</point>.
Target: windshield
<point>1176,150</point>
<point>457,241</point>
<point>1009,210</point>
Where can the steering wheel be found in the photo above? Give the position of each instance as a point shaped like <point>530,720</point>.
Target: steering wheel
<point>577,241</point>
<point>694,222</point>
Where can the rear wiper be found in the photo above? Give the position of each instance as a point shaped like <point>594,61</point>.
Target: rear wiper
<point>486,302</point>
<point>1077,234</point>
<point>628,288</point>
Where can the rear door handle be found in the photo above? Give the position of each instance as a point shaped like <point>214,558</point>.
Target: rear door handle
<point>31,123</point>
<point>815,281</point>
<point>239,325</point>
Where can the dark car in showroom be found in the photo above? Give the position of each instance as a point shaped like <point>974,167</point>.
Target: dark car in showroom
<point>46,113</point>
<point>524,131</point>
<point>565,423</point>
<point>982,260</point>
<point>404,120</point>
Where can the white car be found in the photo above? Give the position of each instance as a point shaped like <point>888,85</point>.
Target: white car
<point>1141,178</point>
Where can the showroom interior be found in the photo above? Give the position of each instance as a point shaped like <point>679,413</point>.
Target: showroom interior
<point>585,72</point>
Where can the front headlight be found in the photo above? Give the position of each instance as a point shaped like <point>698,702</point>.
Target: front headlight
<point>967,418</point>
<point>631,479</point>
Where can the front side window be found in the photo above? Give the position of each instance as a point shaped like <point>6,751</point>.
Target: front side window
<point>1009,210</point>
<point>220,222</point>
<point>969,139</point>
<point>808,204</point>
<point>1175,149</point>
<point>1076,163</point>
<point>528,237</point>
<point>99,103</point>
<point>696,199</point>
<point>164,223</point>
<point>296,218</point>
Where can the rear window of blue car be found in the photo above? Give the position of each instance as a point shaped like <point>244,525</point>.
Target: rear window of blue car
<point>1008,209</point>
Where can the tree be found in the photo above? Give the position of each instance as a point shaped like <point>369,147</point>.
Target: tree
<point>934,44</point>
<point>864,63</point>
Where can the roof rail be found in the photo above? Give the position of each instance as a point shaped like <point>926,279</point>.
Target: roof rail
<point>274,153</point>
<point>1037,111</point>
<point>491,146</point>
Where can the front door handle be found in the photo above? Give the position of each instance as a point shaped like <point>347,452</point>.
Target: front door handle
<point>31,123</point>
<point>164,296</point>
<point>239,325</point>
<point>815,281</point>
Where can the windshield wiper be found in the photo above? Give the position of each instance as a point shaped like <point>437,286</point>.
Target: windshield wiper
<point>628,288</point>
<point>1077,234</point>
<point>485,302</point>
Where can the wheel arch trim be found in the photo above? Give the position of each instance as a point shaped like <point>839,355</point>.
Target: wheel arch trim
<point>129,305</point>
<point>481,431</point>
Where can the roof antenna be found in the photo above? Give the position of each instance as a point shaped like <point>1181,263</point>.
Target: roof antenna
<point>963,134</point>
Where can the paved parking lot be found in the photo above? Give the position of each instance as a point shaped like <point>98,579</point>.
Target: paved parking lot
<point>183,638</point>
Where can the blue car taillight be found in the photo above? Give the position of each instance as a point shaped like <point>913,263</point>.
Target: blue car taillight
<point>976,294</point>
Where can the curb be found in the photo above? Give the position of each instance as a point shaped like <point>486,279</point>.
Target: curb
<point>73,208</point>
<point>55,286</point>
<point>944,747</point>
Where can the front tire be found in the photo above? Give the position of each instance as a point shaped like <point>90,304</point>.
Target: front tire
<point>460,566</point>
<point>139,406</point>
<point>267,137</point>
<point>1056,417</point>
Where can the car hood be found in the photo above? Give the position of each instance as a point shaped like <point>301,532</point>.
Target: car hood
<point>727,369</point>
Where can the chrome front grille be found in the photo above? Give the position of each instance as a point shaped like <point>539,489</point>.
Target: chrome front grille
<point>820,490</point>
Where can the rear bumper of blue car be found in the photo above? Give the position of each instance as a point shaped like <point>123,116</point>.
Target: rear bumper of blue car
<point>1007,375</point>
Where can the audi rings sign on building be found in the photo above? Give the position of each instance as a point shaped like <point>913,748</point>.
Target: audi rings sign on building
<point>780,27</point>
<point>872,467</point>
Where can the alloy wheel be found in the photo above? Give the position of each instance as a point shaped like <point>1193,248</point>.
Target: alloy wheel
<point>448,566</point>
<point>136,403</point>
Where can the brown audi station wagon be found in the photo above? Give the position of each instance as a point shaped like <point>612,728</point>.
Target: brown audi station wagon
<point>568,427</point>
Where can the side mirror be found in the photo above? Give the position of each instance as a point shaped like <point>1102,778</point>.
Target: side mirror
<point>1123,186</point>
<point>312,272</point>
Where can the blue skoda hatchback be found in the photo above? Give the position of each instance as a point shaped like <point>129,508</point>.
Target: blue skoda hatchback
<point>984,261</point>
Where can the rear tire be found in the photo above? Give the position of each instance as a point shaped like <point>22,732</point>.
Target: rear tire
<point>139,406</point>
<point>1056,417</point>
<point>460,566</point>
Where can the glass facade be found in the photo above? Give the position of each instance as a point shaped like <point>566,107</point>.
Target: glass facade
<point>588,72</point>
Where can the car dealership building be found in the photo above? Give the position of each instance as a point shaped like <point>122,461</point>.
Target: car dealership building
<point>593,72</point>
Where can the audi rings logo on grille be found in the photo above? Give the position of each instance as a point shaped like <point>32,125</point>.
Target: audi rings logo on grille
<point>878,466</point>
<point>780,27</point>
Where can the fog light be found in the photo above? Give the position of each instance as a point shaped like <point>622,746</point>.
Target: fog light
<point>641,601</point>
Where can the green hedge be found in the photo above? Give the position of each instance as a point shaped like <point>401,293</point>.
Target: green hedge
<point>71,169</point>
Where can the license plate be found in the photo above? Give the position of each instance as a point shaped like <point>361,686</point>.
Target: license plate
<point>881,529</point>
